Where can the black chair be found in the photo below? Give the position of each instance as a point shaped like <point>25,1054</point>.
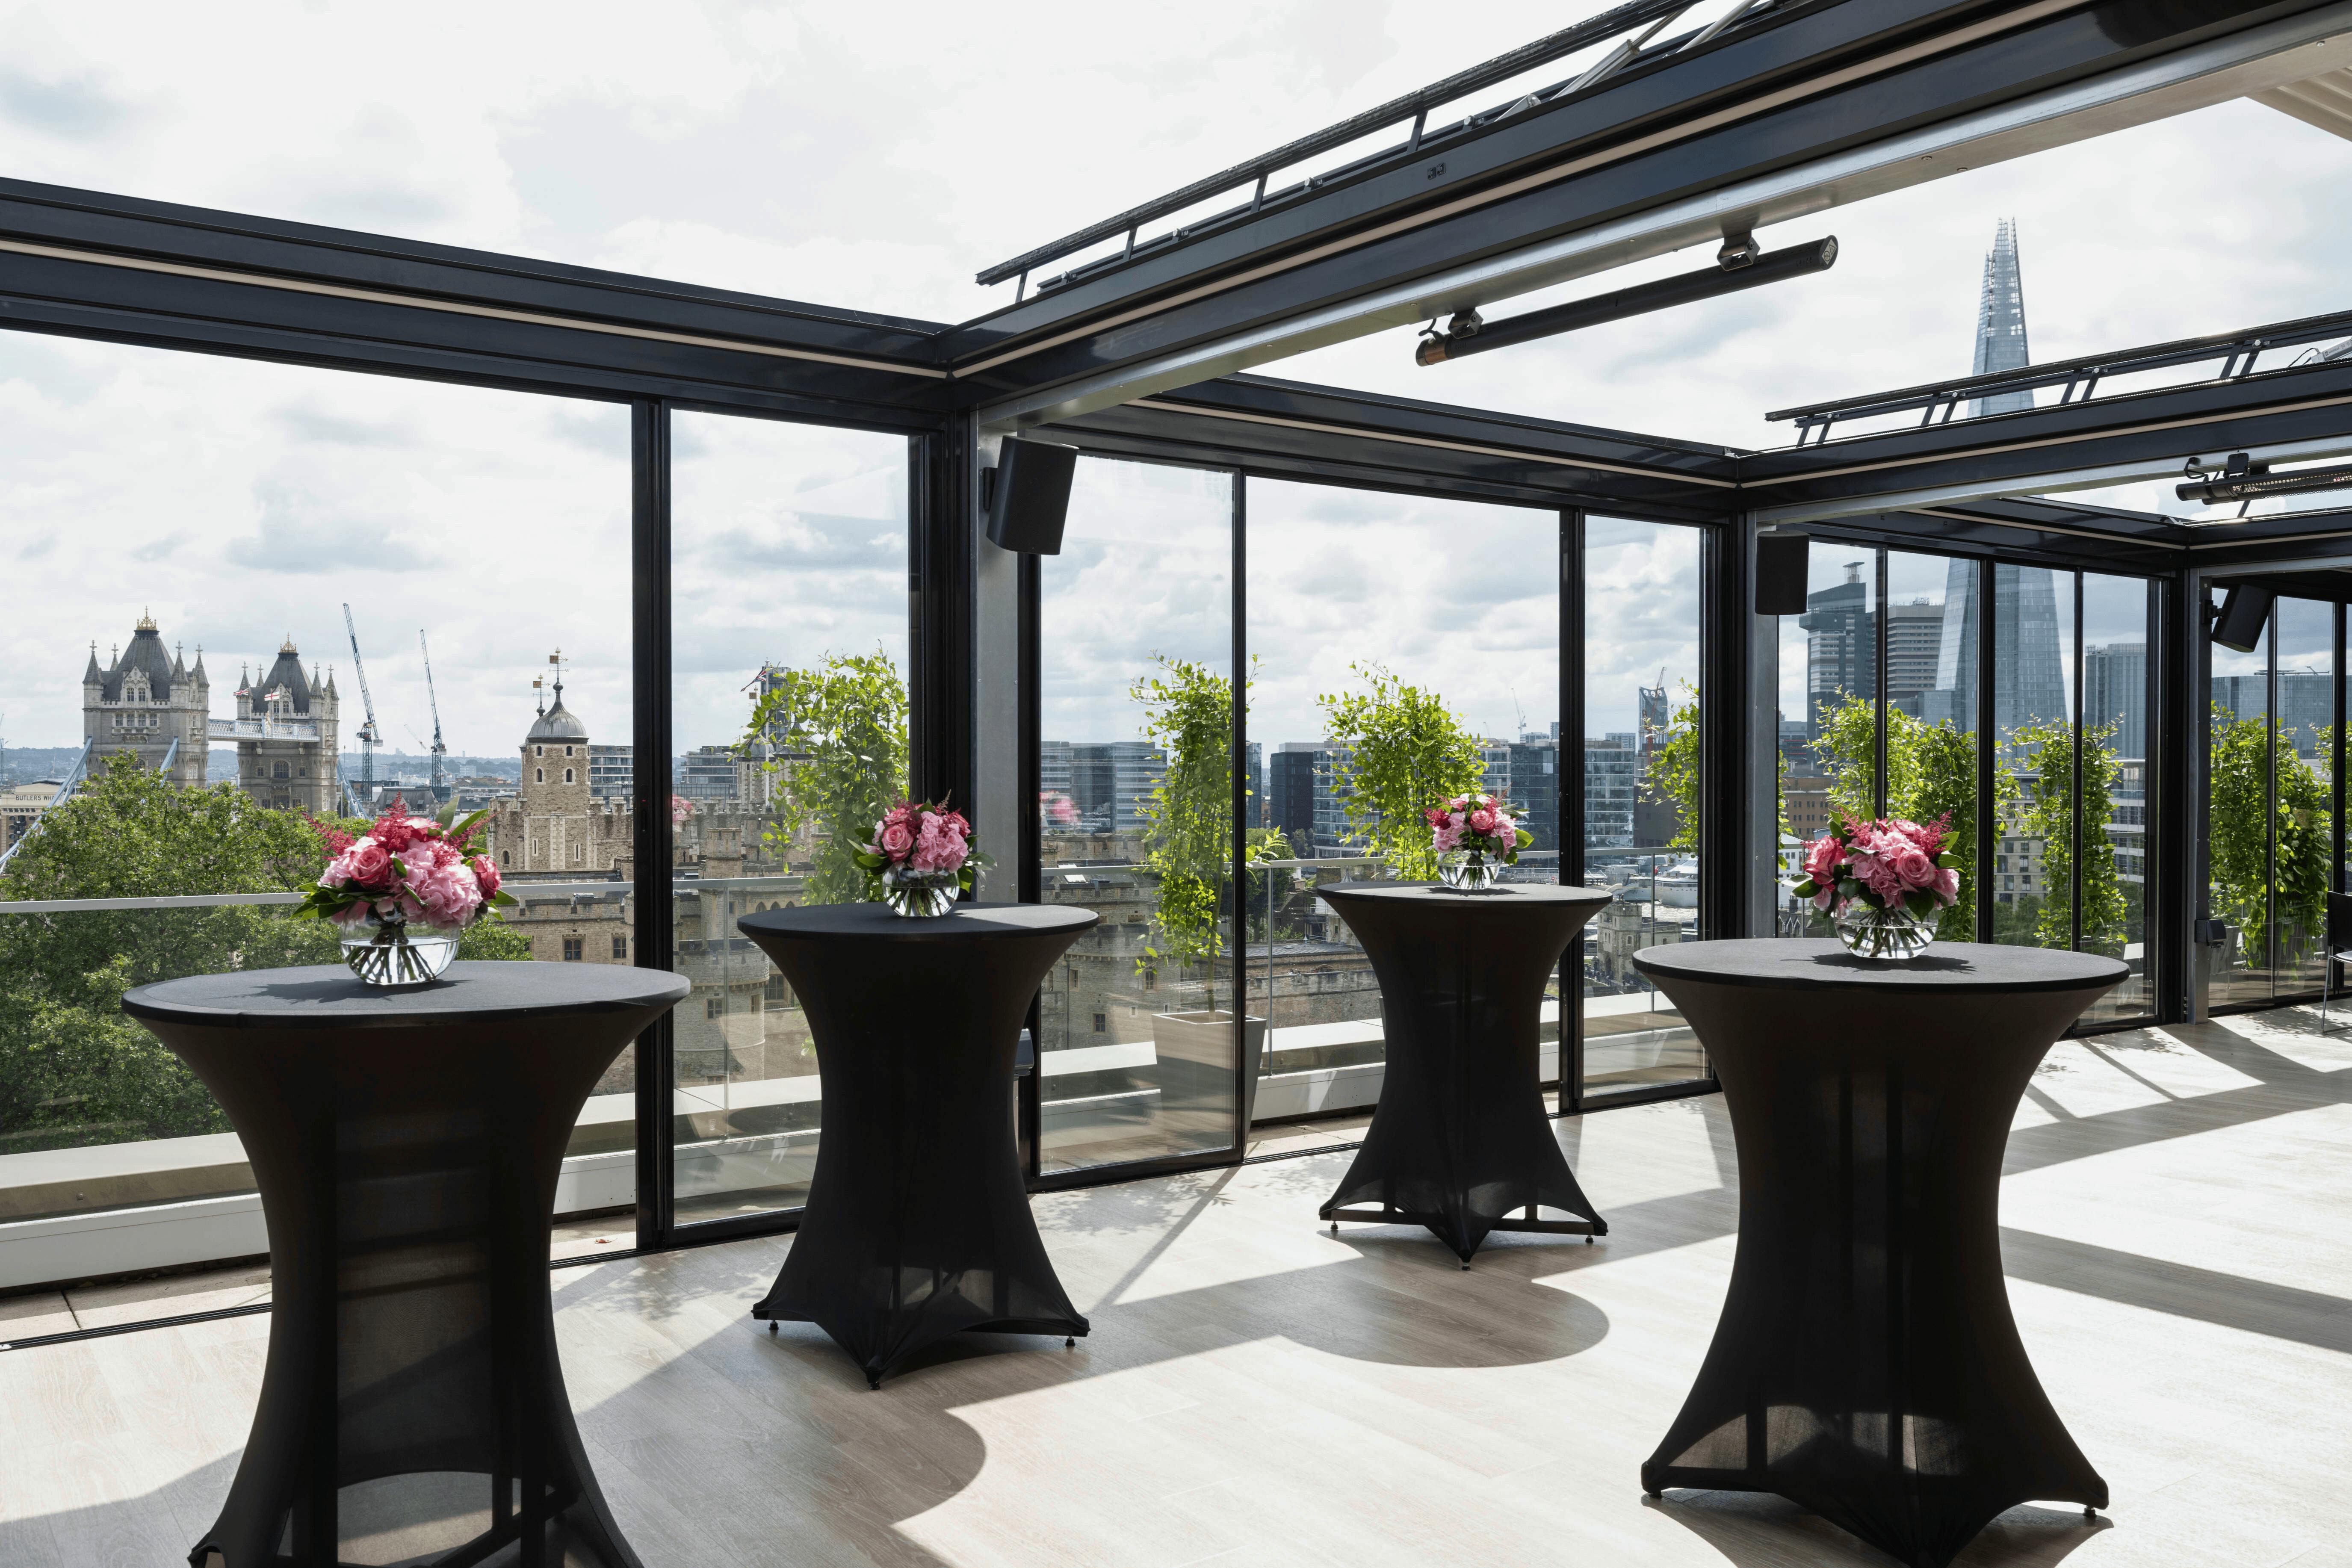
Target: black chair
<point>2339,948</point>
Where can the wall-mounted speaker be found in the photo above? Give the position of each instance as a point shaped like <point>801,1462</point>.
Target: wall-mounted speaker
<point>2245,609</point>
<point>1780,573</point>
<point>1029,495</point>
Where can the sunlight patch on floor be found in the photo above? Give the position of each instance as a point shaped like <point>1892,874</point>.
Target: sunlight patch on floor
<point>2262,1200</point>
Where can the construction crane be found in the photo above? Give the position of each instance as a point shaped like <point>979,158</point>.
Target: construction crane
<point>440,791</point>
<point>370,736</point>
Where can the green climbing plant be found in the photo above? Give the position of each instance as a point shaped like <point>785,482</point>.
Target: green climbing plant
<point>1188,822</point>
<point>841,726</point>
<point>1405,751</point>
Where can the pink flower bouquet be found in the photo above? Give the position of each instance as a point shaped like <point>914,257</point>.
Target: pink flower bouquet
<point>921,858</point>
<point>1480,824</point>
<point>1891,864</point>
<point>405,871</point>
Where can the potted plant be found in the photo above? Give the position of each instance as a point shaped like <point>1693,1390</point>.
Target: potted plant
<point>1188,844</point>
<point>1406,749</point>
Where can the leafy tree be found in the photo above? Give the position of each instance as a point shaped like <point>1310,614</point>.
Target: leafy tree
<point>1931,772</point>
<point>1188,822</point>
<point>2239,841</point>
<point>847,718</point>
<point>1673,773</point>
<point>2047,813</point>
<point>73,1070</point>
<point>1406,753</point>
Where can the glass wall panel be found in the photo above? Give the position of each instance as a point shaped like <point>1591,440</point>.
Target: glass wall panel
<point>2304,633</point>
<point>2034,720</point>
<point>1138,1051</point>
<point>1931,710</point>
<point>1347,588</point>
<point>1643,603</point>
<point>2237,808</point>
<point>185,535</point>
<point>790,732</point>
<point>1829,684</point>
<point>2115,825</point>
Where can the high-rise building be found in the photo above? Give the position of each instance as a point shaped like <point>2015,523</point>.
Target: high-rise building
<point>1535,788</point>
<point>1111,781</point>
<point>1841,646</point>
<point>709,773</point>
<point>1290,792</point>
<point>149,704</point>
<point>2000,322</point>
<point>2306,706</point>
<point>2114,691</point>
<point>612,772</point>
<point>2029,677</point>
<point>1914,639</point>
<point>1612,773</point>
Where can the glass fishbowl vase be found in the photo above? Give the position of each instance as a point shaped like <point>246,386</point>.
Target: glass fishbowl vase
<point>394,952</point>
<point>919,895</point>
<point>1869,931</point>
<point>1469,870</point>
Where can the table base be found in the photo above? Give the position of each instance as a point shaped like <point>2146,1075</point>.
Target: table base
<point>1443,1225</point>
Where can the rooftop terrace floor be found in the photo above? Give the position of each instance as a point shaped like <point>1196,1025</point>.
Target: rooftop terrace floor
<point>1258,1393</point>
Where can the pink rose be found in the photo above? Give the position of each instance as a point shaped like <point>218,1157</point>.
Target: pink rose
<point>1482,823</point>
<point>485,877</point>
<point>1915,869</point>
<point>896,839</point>
<point>368,863</point>
<point>1947,884</point>
<point>1822,860</point>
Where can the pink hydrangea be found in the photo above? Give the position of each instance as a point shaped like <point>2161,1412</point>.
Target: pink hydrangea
<point>940,844</point>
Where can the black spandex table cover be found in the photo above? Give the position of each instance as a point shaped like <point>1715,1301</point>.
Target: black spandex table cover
<point>1461,1138</point>
<point>917,1225</point>
<point>1866,1366</point>
<point>406,1143</point>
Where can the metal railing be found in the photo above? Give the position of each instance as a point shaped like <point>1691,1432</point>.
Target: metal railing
<point>1649,16</point>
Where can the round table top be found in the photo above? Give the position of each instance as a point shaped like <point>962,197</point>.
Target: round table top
<point>1502,895</point>
<point>1806,963</point>
<point>330,994</point>
<point>874,921</point>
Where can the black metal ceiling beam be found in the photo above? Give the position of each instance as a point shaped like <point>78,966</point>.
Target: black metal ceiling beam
<point>115,267</point>
<point>2305,412</point>
<point>1790,95</point>
<point>1361,438</point>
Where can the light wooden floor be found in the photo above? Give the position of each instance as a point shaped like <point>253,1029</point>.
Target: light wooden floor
<point>1257,1393</point>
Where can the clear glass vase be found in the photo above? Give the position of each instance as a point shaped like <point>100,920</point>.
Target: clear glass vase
<point>1869,931</point>
<point>919,895</point>
<point>394,952</point>
<point>1469,870</point>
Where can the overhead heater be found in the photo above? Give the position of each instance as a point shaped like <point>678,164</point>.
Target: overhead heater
<point>2242,479</point>
<point>1738,265</point>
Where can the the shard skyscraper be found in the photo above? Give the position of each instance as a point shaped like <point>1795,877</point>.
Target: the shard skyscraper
<point>2000,322</point>
<point>2028,666</point>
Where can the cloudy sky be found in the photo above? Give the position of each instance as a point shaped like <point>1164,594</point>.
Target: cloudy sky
<point>876,157</point>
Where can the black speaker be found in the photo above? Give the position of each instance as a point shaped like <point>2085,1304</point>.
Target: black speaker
<point>1030,496</point>
<point>1780,573</point>
<point>2245,611</point>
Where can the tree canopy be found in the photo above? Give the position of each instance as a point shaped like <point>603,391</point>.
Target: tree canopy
<point>1406,752</point>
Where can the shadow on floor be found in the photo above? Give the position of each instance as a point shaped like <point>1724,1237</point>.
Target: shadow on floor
<point>1756,1530</point>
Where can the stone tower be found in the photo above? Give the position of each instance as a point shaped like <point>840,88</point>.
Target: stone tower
<point>286,737</point>
<point>148,704</point>
<point>556,822</point>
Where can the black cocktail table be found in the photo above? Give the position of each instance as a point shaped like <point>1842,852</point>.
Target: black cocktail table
<point>406,1143</point>
<point>1866,1365</point>
<point>917,1225</point>
<point>1460,1139</point>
